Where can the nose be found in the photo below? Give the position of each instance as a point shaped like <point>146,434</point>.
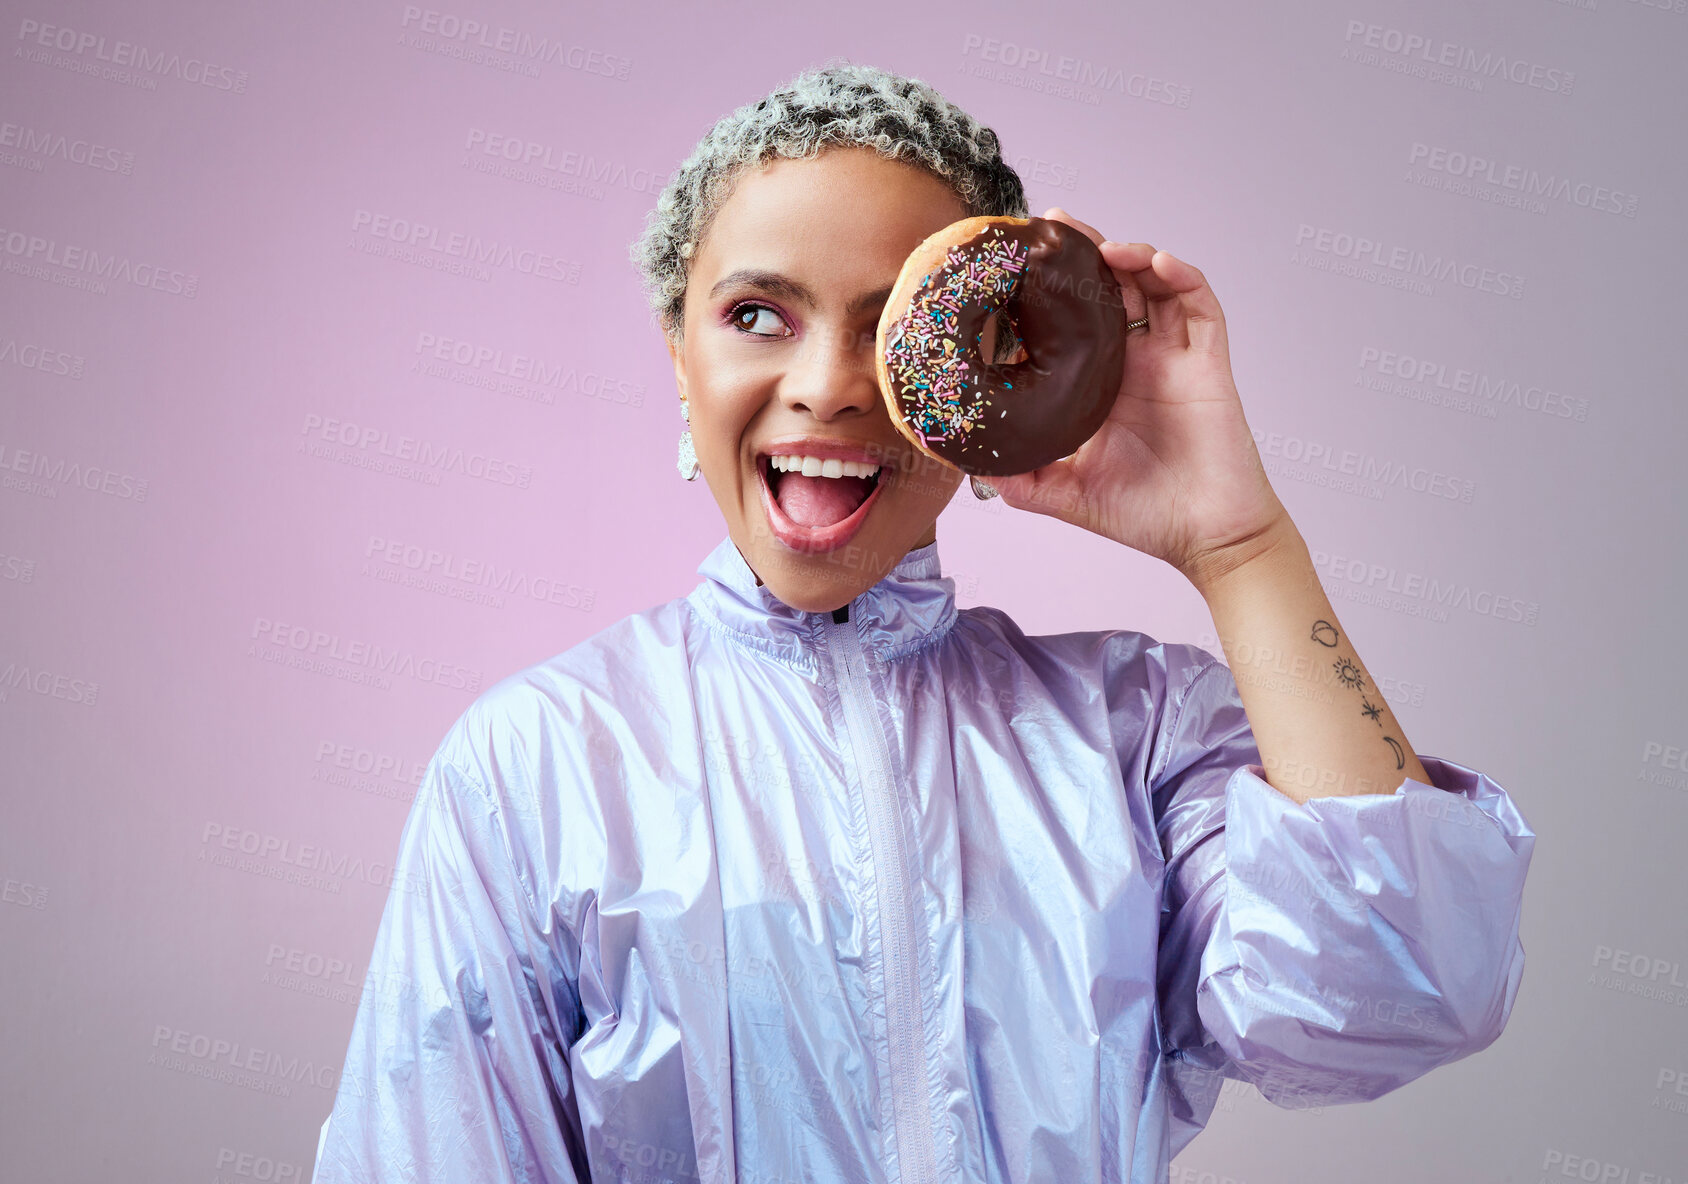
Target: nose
<point>832,374</point>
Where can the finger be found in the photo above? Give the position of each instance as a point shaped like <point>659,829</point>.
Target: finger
<point>1204,319</point>
<point>1125,260</point>
<point>1162,303</point>
<point>1131,295</point>
<point>1057,214</point>
<point>1127,256</point>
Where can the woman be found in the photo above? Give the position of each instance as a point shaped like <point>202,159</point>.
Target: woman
<point>811,875</point>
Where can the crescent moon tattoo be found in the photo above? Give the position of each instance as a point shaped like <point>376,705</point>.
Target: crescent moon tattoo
<point>1400,758</point>
<point>1324,633</point>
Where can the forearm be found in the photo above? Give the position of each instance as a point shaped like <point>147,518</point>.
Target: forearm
<point>1322,726</point>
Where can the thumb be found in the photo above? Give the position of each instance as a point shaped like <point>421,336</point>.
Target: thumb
<point>1042,490</point>
<point>1013,489</point>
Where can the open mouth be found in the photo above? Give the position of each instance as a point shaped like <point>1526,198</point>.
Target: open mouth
<point>811,511</point>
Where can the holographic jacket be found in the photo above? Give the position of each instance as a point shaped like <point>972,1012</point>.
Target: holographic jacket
<point>730,891</point>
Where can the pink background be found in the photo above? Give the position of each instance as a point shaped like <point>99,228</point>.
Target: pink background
<point>173,1007</point>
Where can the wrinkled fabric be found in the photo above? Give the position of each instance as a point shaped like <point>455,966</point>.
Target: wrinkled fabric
<point>731,891</point>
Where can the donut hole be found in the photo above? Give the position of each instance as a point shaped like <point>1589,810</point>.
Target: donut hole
<point>999,340</point>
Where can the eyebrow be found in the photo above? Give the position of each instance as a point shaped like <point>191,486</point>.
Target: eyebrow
<point>776,284</point>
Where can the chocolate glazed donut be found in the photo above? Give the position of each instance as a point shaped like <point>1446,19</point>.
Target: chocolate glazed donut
<point>1040,284</point>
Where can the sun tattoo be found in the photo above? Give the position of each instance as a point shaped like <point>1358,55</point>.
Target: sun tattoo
<point>1348,674</point>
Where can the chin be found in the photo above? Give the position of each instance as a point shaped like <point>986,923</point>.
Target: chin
<point>821,581</point>
<point>818,583</point>
<point>819,568</point>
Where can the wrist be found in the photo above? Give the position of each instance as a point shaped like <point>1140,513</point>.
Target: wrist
<point>1242,559</point>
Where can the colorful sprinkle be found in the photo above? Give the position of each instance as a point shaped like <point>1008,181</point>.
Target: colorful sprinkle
<point>921,353</point>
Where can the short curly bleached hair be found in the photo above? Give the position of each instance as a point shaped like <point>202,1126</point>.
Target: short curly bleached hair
<point>835,105</point>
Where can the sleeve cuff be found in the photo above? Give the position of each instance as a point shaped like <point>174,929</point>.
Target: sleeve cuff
<point>1419,890</point>
<point>1455,796</point>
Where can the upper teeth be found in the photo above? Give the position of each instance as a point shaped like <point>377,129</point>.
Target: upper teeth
<point>814,466</point>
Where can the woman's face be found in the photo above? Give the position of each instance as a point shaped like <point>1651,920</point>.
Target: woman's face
<point>778,360</point>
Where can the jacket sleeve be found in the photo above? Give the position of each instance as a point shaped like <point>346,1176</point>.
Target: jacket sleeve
<point>1333,950</point>
<point>457,1067</point>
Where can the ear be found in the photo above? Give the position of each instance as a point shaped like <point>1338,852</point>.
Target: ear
<point>679,357</point>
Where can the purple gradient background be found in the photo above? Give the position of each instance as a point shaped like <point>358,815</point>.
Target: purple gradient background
<point>119,927</point>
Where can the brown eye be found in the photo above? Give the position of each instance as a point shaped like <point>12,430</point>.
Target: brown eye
<point>746,317</point>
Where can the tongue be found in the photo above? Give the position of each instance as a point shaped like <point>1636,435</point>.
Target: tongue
<point>820,501</point>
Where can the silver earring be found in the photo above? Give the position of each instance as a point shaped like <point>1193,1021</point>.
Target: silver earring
<point>687,463</point>
<point>983,490</point>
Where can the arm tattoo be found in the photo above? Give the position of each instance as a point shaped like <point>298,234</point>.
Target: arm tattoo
<point>1348,674</point>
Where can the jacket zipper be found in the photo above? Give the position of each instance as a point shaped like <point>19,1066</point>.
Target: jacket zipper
<point>899,917</point>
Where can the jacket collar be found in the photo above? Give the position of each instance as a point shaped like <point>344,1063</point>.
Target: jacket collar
<point>913,605</point>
